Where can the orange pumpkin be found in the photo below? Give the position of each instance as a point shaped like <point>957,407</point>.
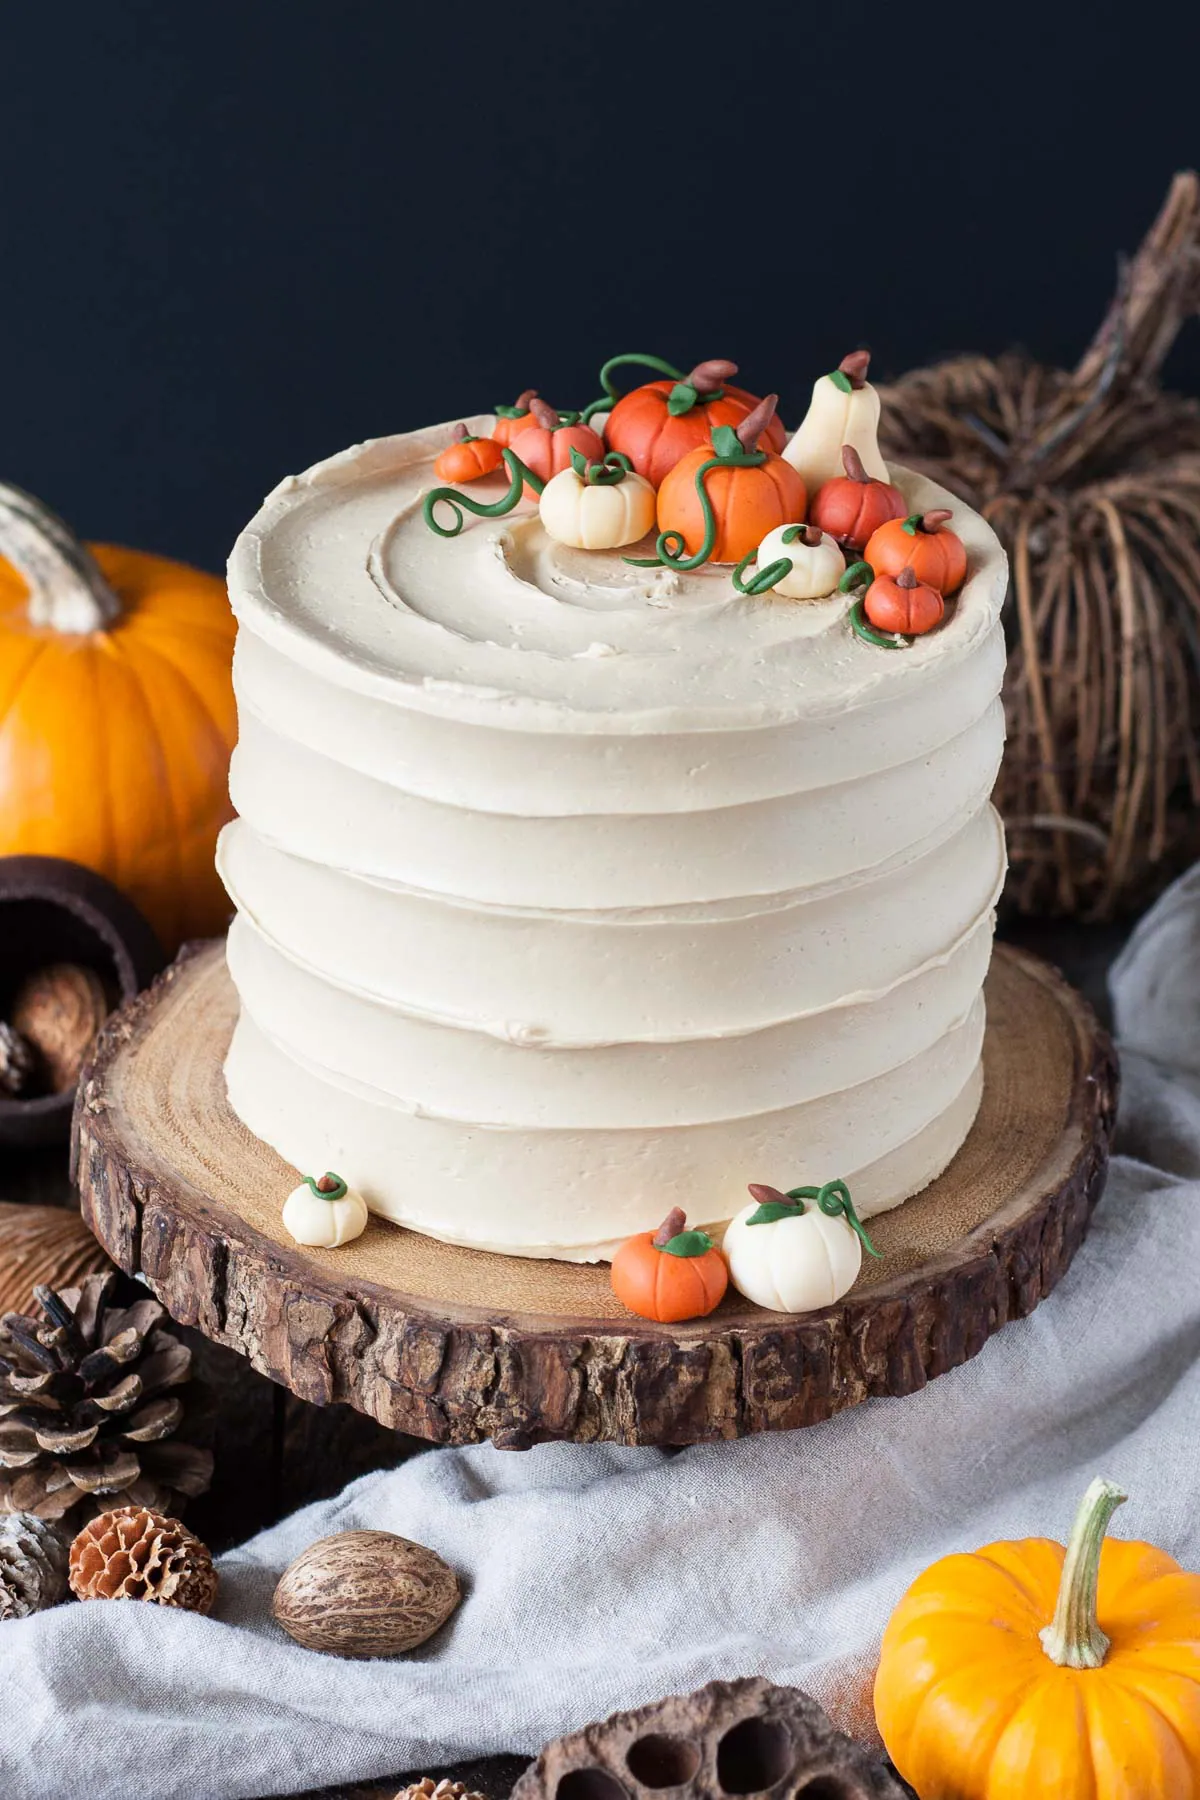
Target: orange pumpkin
<point>657,425</point>
<point>545,446</point>
<point>670,1274</point>
<point>467,458</point>
<point>513,419</point>
<point>920,542</point>
<point>903,604</point>
<point>116,716</point>
<point>1030,1672</point>
<point>729,494</point>
<point>853,506</point>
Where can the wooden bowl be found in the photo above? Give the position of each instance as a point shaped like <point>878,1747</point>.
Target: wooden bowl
<point>54,911</point>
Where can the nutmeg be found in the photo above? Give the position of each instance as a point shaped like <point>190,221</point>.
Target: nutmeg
<point>59,1010</point>
<point>365,1593</point>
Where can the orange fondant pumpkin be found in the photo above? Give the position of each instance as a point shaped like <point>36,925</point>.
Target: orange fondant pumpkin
<point>657,425</point>
<point>512,419</point>
<point>116,716</point>
<point>670,1274</point>
<point>1030,1672</point>
<point>920,542</point>
<point>467,458</point>
<point>852,506</point>
<point>746,501</point>
<point>545,446</point>
<point>904,604</point>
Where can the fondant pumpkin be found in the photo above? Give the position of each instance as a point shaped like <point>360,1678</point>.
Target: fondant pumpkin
<point>670,1274</point>
<point>721,501</point>
<point>597,506</point>
<point>658,424</point>
<point>901,603</point>
<point>546,445</point>
<point>467,458</point>
<point>1030,1672</point>
<point>844,409</point>
<point>324,1212</point>
<point>798,562</point>
<point>798,1251</point>
<point>852,506</point>
<point>116,716</point>
<point>512,419</point>
<point>922,543</point>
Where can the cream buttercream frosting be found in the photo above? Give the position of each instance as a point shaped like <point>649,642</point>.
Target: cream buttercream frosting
<point>569,891</point>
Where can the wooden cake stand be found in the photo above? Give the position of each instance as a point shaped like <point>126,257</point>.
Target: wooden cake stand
<point>457,1345</point>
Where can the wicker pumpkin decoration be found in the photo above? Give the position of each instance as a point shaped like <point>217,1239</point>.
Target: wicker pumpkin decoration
<point>1091,478</point>
<point>545,446</point>
<point>116,715</point>
<point>923,543</point>
<point>512,419</point>
<point>658,424</point>
<point>719,503</point>
<point>670,1274</point>
<point>467,458</point>
<point>1046,1674</point>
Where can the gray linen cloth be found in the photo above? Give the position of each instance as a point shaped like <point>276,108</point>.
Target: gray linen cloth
<point>599,1578</point>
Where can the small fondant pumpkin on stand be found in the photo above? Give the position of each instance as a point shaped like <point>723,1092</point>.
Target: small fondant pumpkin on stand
<point>797,1251</point>
<point>800,562</point>
<point>660,423</point>
<point>844,409</point>
<point>467,458</point>
<point>851,507</point>
<point>670,1274</point>
<point>325,1213</point>
<point>598,505</point>
<point>1047,1674</point>
<point>718,504</point>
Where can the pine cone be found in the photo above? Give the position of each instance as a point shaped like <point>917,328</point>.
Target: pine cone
<point>132,1553</point>
<point>85,1408</point>
<point>33,1565</point>
<point>18,1063</point>
<point>428,1789</point>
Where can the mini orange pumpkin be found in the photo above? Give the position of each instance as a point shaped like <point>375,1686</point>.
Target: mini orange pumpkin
<point>658,424</point>
<point>545,446</point>
<point>467,458</point>
<point>670,1274</point>
<point>1030,1672</point>
<point>116,716</point>
<point>853,506</point>
<point>720,502</point>
<point>901,603</point>
<point>920,542</point>
<point>510,420</point>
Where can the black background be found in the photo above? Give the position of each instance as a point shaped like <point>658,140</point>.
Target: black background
<point>242,236</point>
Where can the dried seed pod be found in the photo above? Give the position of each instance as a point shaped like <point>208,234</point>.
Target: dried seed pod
<point>429,1789</point>
<point>33,1565</point>
<point>365,1593</point>
<point>59,1010</point>
<point>135,1554</point>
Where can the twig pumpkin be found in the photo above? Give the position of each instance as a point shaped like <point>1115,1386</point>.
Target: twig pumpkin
<point>1030,1671</point>
<point>1091,479</point>
<point>546,445</point>
<point>900,603</point>
<point>116,715</point>
<point>658,424</point>
<point>852,506</point>
<point>720,502</point>
<point>512,419</point>
<point>467,458</point>
<point>923,543</point>
<point>670,1274</point>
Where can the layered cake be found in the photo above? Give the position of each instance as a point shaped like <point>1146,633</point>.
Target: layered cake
<point>577,884</point>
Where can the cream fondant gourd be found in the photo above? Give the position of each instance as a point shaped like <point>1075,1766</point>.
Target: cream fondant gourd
<point>324,1213</point>
<point>598,505</point>
<point>797,1251</point>
<point>810,563</point>
<point>844,409</point>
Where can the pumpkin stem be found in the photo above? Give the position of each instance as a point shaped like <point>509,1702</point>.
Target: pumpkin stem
<point>707,377</point>
<point>67,591</point>
<point>328,1185</point>
<point>758,1190</point>
<point>907,578</point>
<point>933,521</point>
<point>854,367</point>
<point>756,422</point>
<point>544,415</point>
<point>1074,1640</point>
<point>853,464</point>
<point>671,1227</point>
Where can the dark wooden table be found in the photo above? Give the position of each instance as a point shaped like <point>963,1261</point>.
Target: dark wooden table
<point>275,1453</point>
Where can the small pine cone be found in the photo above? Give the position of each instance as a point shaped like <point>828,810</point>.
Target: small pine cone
<point>33,1565</point>
<point>18,1063</point>
<point>429,1789</point>
<point>135,1554</point>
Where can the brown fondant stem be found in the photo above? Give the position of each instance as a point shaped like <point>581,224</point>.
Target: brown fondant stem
<point>811,536</point>
<point>525,400</point>
<point>545,415</point>
<point>326,1185</point>
<point>758,1190</point>
<point>933,521</point>
<point>709,375</point>
<point>855,366</point>
<point>756,422</point>
<point>671,1227</point>
<point>853,464</point>
<point>460,434</point>
<point>907,578</point>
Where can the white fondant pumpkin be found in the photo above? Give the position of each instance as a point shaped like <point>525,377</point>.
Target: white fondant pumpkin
<point>324,1213</point>
<point>600,514</point>
<point>816,567</point>
<point>793,1263</point>
<point>844,410</point>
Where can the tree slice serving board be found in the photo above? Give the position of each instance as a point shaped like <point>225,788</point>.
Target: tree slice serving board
<point>459,1345</point>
